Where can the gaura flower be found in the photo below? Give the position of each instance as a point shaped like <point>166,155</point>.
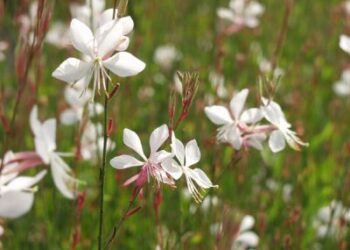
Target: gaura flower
<point>242,13</point>
<point>98,50</point>
<point>282,133</point>
<point>45,146</point>
<point>186,157</point>
<point>166,55</point>
<point>245,238</point>
<point>342,87</point>
<point>151,166</point>
<point>344,43</point>
<point>234,122</point>
<point>16,192</point>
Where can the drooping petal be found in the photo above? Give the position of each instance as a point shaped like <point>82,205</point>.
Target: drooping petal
<point>124,64</point>
<point>81,37</point>
<point>125,161</point>
<point>277,141</point>
<point>200,177</point>
<point>25,182</point>
<point>14,204</point>
<point>344,43</point>
<point>172,168</point>
<point>72,70</point>
<point>132,140</point>
<point>178,149</point>
<point>192,153</point>
<point>219,115</point>
<point>237,102</point>
<point>158,137</point>
<point>251,116</point>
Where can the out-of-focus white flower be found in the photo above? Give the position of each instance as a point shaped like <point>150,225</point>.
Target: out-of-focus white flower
<point>151,166</point>
<point>186,157</point>
<point>218,83</point>
<point>328,221</point>
<point>242,13</point>
<point>233,122</point>
<point>3,47</point>
<point>347,7</point>
<point>78,97</point>
<point>342,87</point>
<point>265,67</point>
<point>45,146</point>
<point>92,141</point>
<point>16,192</point>
<point>84,13</point>
<point>245,238</point>
<point>287,190</point>
<point>99,49</point>
<point>344,43</point>
<point>166,55</point>
<point>278,138</point>
<point>58,35</point>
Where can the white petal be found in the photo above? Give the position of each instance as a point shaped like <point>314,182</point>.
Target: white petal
<point>200,177</point>
<point>249,239</point>
<point>234,138</point>
<point>81,37</point>
<point>108,37</point>
<point>132,140</point>
<point>124,64</point>
<point>277,141</point>
<point>49,134</point>
<point>178,149</point>
<point>247,223</point>
<point>252,115</point>
<point>127,24</point>
<point>225,13</point>
<point>219,115</point>
<point>125,161</point>
<point>160,156</point>
<point>172,168</point>
<point>107,16</point>
<point>124,43</point>
<point>237,102</point>
<point>25,182</point>
<point>34,121</point>
<point>192,153</point>
<point>344,43</point>
<point>71,70</point>
<point>14,204</point>
<point>158,137</point>
<point>69,117</point>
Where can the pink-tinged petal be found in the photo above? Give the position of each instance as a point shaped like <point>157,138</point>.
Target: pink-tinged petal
<point>158,137</point>
<point>124,64</point>
<point>125,161</point>
<point>131,180</point>
<point>219,115</point>
<point>64,182</point>
<point>69,117</point>
<point>172,168</point>
<point>178,149</point>
<point>27,164</point>
<point>132,140</point>
<point>344,43</point>
<point>14,204</point>
<point>277,141</point>
<point>72,70</point>
<point>247,223</point>
<point>251,116</point>
<point>26,155</point>
<point>200,178</point>
<point>108,37</point>
<point>192,153</point>
<point>238,101</point>
<point>249,239</point>
<point>24,182</point>
<point>81,37</point>
<point>124,43</point>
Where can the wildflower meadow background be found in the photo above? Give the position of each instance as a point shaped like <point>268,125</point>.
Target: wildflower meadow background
<point>162,124</point>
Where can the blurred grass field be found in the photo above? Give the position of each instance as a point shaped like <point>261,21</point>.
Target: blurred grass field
<point>312,61</point>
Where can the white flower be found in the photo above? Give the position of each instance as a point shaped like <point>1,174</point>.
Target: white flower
<point>344,43</point>
<point>242,13</point>
<point>186,157</point>
<point>245,238</point>
<point>218,83</point>
<point>235,120</point>
<point>151,166</point>
<point>92,141</point>
<point>278,138</point>
<point>342,87</point>
<point>166,55</point>
<point>84,13</point>
<point>16,192</point>
<point>98,50</point>
<point>45,146</point>
<point>78,96</point>
<point>328,220</point>
<point>265,67</point>
<point>57,35</point>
